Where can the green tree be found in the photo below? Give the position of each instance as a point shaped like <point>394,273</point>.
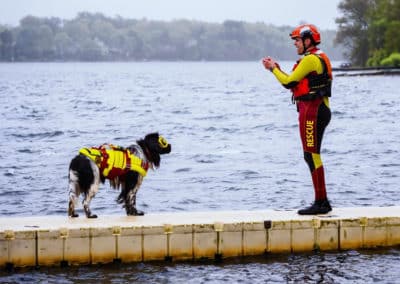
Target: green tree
<point>392,61</point>
<point>77,30</point>
<point>92,50</point>
<point>384,33</point>
<point>97,37</point>
<point>35,40</point>
<point>353,29</point>
<point>66,49</point>
<point>370,30</point>
<point>6,44</point>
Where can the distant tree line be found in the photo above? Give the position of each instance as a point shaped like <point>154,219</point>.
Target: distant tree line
<point>95,37</point>
<point>370,31</point>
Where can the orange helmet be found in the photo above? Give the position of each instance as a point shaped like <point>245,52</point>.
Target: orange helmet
<point>307,30</point>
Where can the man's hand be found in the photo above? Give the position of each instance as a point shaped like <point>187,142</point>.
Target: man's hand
<point>269,63</point>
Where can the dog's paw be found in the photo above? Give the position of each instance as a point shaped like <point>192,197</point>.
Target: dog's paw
<point>135,212</point>
<point>92,216</point>
<point>74,215</point>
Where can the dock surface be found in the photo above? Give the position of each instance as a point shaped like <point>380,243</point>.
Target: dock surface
<point>59,240</point>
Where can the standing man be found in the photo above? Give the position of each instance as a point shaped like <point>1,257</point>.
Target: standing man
<point>310,83</point>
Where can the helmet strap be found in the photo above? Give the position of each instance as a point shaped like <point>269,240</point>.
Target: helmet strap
<point>304,46</point>
<point>307,47</point>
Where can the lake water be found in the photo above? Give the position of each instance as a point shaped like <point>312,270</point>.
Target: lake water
<point>235,146</point>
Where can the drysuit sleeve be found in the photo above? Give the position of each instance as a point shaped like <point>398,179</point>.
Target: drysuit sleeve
<point>310,63</point>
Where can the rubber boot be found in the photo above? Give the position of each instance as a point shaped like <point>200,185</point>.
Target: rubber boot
<point>318,207</point>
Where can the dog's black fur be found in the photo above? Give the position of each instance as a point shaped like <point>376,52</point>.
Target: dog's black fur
<point>85,177</point>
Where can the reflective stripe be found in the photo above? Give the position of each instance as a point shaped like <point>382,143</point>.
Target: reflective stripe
<point>317,160</point>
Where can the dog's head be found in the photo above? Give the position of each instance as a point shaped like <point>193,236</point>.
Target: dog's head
<point>153,146</point>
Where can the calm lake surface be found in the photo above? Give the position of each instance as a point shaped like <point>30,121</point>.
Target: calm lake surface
<point>235,146</point>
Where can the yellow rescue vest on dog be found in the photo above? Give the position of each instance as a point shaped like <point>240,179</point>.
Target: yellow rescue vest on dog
<point>114,161</point>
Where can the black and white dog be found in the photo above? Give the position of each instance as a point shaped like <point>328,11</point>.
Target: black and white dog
<point>125,168</point>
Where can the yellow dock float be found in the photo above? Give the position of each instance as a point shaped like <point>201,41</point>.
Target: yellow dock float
<point>59,240</point>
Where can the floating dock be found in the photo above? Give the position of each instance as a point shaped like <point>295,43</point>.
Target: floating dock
<point>59,240</point>
<point>366,71</point>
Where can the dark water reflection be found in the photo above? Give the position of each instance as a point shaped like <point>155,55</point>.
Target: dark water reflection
<point>377,266</point>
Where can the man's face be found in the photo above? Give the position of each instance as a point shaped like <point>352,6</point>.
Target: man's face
<point>298,43</point>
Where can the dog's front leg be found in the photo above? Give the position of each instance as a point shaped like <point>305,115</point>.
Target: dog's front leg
<point>130,204</point>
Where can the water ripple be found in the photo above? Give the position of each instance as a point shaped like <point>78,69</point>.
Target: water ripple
<point>39,135</point>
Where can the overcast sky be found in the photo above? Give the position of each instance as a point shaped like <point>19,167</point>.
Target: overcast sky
<point>279,12</point>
